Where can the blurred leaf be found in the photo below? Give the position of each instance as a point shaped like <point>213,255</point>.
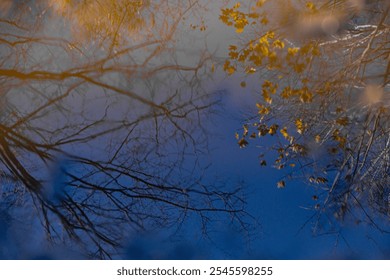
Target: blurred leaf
<point>242,143</point>
<point>281,184</point>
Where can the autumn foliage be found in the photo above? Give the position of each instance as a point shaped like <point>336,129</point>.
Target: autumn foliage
<point>323,82</point>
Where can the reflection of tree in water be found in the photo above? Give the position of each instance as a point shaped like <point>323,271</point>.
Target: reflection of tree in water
<point>324,97</point>
<point>103,136</point>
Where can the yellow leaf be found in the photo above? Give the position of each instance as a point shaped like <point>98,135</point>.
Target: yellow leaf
<point>263,110</point>
<point>242,143</point>
<point>273,128</point>
<point>241,58</point>
<point>273,59</point>
<point>260,3</point>
<point>273,89</point>
<point>311,6</point>
<point>278,44</point>
<point>305,96</point>
<point>342,121</point>
<point>270,34</point>
<point>286,93</point>
<point>267,98</point>
<point>264,40</point>
<point>253,15</point>
<point>233,54</point>
<point>284,132</point>
<point>300,126</point>
<point>264,50</point>
<point>267,84</point>
<point>292,51</point>
<point>264,20</point>
<point>226,65</point>
<point>231,70</point>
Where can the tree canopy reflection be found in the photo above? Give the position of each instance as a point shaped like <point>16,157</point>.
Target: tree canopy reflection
<point>103,111</point>
<point>323,77</point>
<point>101,121</point>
